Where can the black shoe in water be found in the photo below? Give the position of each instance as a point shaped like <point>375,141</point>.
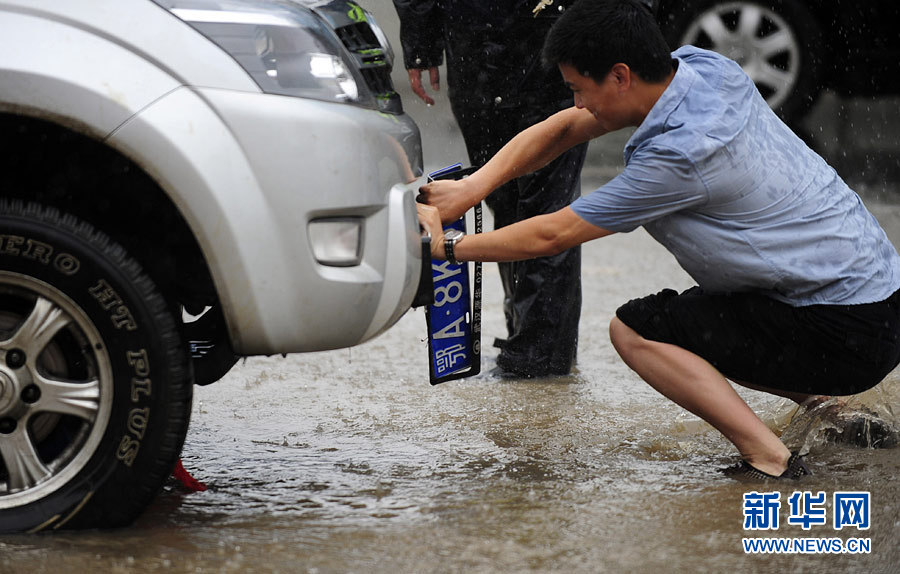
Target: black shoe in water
<point>796,468</point>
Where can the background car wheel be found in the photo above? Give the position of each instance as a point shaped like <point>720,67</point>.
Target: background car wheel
<point>95,389</point>
<point>778,44</point>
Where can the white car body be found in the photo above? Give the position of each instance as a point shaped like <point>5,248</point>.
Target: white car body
<point>247,170</point>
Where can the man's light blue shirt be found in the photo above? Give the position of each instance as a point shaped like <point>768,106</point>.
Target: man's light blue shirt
<point>739,200</point>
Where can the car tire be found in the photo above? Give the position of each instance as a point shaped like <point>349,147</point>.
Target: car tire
<point>778,44</point>
<point>95,385</point>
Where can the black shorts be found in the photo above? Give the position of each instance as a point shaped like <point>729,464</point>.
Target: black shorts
<point>750,338</point>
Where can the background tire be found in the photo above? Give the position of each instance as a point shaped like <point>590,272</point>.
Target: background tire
<point>778,44</point>
<point>95,387</point>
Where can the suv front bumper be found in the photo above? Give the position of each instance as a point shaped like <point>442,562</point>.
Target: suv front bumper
<point>250,171</point>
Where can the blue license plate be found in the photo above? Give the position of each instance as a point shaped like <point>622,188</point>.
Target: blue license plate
<point>454,318</point>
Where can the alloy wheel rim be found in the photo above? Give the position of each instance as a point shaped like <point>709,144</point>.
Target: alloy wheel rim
<point>56,389</point>
<point>755,37</point>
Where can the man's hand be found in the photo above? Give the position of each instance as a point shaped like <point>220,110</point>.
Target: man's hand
<point>451,197</point>
<point>415,82</point>
<point>431,221</point>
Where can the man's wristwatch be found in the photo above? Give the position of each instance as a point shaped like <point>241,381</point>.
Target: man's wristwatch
<point>451,238</point>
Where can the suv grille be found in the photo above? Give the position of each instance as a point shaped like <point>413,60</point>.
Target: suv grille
<point>361,42</point>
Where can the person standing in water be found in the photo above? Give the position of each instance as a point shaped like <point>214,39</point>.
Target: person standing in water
<point>498,87</point>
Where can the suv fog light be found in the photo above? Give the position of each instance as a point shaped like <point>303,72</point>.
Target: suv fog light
<point>337,242</point>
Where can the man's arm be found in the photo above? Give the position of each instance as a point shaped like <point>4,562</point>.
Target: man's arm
<point>528,151</point>
<point>537,236</point>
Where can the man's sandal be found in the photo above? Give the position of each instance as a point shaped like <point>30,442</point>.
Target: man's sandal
<point>744,470</point>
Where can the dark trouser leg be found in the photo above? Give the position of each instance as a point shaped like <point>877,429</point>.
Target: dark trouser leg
<point>546,296</point>
<point>542,302</point>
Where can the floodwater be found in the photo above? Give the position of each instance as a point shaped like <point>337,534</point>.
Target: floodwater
<point>349,461</point>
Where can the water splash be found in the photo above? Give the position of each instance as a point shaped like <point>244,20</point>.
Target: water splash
<point>867,420</point>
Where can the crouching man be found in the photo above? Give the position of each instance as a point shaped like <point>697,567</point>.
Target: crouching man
<point>797,284</point>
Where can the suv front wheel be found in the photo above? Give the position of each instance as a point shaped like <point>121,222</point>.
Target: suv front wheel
<point>95,388</point>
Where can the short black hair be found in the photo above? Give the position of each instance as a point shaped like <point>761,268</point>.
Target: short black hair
<point>593,35</point>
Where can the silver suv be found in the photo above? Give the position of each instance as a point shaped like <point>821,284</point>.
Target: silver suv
<point>182,182</point>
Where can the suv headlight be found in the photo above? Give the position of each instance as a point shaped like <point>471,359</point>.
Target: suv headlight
<point>285,48</point>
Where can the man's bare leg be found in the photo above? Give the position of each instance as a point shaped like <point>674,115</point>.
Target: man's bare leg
<point>691,382</point>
